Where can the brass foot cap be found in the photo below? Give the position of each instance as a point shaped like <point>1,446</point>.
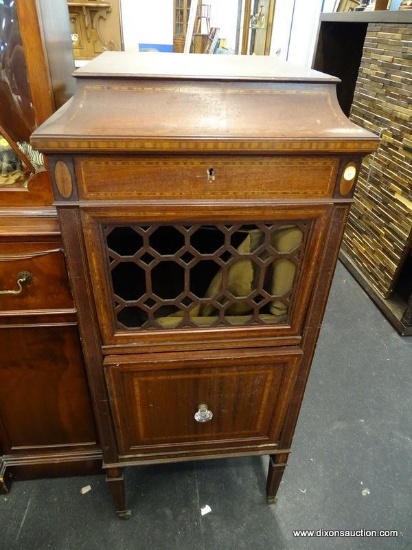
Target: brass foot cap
<point>124,514</point>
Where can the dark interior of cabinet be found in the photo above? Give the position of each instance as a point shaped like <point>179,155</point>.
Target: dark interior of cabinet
<point>404,284</point>
<point>339,53</point>
<point>403,290</point>
<point>168,276</point>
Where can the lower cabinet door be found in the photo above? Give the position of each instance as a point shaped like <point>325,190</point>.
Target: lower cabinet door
<point>200,403</point>
<point>44,397</point>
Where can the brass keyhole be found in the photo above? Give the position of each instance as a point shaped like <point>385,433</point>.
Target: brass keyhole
<point>211,176</point>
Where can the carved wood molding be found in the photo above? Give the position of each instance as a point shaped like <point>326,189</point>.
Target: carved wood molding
<point>87,38</point>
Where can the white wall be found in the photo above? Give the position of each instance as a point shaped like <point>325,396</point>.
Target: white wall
<point>224,16</point>
<point>295,29</point>
<point>152,22</point>
<point>329,5</point>
<point>293,37</point>
<point>304,31</point>
<point>281,29</point>
<point>146,22</point>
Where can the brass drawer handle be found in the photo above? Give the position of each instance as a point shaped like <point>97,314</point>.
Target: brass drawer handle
<point>23,278</point>
<point>203,414</point>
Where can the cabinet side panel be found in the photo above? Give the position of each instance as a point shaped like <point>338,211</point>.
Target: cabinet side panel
<point>315,316</point>
<point>89,333</point>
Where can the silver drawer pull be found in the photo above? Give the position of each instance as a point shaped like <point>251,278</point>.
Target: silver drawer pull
<point>203,414</point>
<point>23,278</point>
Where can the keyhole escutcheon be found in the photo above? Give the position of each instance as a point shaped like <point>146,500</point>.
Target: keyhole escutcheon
<point>211,176</point>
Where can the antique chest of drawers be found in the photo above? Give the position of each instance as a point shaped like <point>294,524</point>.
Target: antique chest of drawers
<point>46,420</point>
<point>202,201</point>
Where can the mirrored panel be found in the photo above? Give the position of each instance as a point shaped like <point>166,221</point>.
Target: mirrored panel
<point>17,118</point>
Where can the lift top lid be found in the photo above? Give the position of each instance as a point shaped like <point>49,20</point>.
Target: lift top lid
<point>197,67</point>
<point>154,102</point>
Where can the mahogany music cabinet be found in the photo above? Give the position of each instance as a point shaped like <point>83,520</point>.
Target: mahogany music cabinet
<point>202,201</point>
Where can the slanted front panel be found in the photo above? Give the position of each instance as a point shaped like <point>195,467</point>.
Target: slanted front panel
<point>197,401</point>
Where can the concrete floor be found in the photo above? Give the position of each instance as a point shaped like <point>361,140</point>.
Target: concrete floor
<point>350,469</point>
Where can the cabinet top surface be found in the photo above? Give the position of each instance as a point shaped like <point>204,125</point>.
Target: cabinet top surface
<point>172,103</point>
<point>197,67</point>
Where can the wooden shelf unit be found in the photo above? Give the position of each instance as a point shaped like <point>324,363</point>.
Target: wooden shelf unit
<point>370,53</point>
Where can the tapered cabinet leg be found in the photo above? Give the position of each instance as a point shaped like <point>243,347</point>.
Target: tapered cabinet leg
<point>5,479</point>
<point>114,476</point>
<point>277,465</point>
<point>5,485</point>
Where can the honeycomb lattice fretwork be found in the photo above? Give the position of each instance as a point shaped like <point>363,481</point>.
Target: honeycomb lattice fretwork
<point>181,276</point>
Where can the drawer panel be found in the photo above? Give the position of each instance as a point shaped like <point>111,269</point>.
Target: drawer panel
<point>211,177</point>
<point>155,399</point>
<point>48,288</point>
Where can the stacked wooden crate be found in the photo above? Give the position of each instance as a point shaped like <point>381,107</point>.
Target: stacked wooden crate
<point>379,232</point>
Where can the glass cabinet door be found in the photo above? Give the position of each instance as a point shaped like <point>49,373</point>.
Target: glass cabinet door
<point>181,10</point>
<point>16,105</point>
<point>23,180</point>
<point>176,276</point>
<point>18,162</point>
<point>153,280</point>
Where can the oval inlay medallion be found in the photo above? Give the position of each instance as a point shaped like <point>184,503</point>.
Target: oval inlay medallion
<point>348,179</point>
<point>63,179</point>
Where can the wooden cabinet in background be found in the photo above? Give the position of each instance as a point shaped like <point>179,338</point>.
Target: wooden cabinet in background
<point>95,27</point>
<point>201,219</point>
<point>180,19</point>
<point>44,398</point>
<point>46,419</point>
<point>370,52</point>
